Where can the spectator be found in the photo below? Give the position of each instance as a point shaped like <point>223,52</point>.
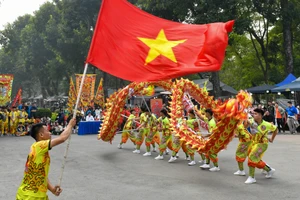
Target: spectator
<point>33,110</point>
<point>93,112</point>
<point>20,106</point>
<point>271,110</point>
<point>98,113</point>
<point>291,117</point>
<point>268,117</point>
<point>280,117</point>
<point>89,110</point>
<point>89,117</point>
<point>28,110</point>
<point>61,118</point>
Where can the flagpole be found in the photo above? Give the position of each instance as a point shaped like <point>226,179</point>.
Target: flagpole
<point>146,104</point>
<point>74,116</point>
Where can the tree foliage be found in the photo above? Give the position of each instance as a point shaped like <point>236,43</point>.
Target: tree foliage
<point>43,50</point>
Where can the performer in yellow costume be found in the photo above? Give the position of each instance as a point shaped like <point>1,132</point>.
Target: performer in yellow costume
<point>4,128</point>
<point>153,134</point>
<point>193,125</point>
<point>14,120</point>
<point>166,140</point>
<point>259,129</point>
<point>143,130</point>
<point>23,116</point>
<point>35,183</point>
<point>176,145</point>
<point>127,130</point>
<point>209,119</point>
<point>245,142</point>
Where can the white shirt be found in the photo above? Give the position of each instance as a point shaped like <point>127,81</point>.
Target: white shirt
<point>98,113</point>
<point>89,118</point>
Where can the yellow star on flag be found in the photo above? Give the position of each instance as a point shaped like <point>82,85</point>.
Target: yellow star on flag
<point>160,46</point>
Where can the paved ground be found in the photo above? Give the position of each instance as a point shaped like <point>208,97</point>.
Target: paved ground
<point>97,170</point>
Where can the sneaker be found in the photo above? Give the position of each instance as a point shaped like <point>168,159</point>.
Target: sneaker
<point>136,151</point>
<point>159,157</point>
<point>205,166</point>
<point>214,169</point>
<point>120,146</point>
<point>172,159</point>
<point>188,158</point>
<point>264,172</point>
<point>240,173</point>
<point>154,149</point>
<point>250,180</point>
<point>270,173</point>
<point>177,155</point>
<point>202,161</point>
<point>147,154</point>
<point>192,163</point>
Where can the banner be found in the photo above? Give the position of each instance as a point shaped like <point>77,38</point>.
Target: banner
<point>99,98</point>
<point>17,99</point>
<point>156,106</point>
<point>88,89</point>
<point>72,96</point>
<point>6,81</point>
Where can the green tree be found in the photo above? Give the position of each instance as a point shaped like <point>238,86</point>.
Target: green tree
<point>287,14</point>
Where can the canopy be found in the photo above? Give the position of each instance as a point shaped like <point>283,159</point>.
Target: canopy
<point>262,89</point>
<point>290,78</point>
<point>293,86</point>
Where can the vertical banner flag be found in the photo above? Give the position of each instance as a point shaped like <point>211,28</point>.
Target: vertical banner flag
<point>88,89</point>
<point>99,98</point>
<point>137,46</point>
<point>156,106</point>
<point>18,98</point>
<point>6,81</point>
<point>72,96</point>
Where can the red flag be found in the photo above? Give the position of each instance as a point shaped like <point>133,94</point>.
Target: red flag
<point>18,98</point>
<point>134,45</point>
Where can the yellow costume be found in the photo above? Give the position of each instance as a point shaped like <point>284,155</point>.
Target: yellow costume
<point>22,117</point>
<point>14,121</point>
<point>35,185</point>
<point>4,123</point>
